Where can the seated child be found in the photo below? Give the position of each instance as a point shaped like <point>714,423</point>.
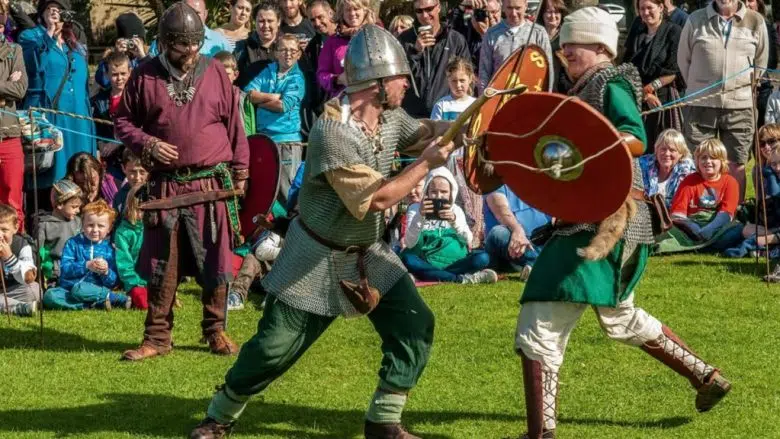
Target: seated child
<point>135,175</point>
<point>706,202</point>
<point>437,236</point>
<point>128,238</point>
<point>767,231</point>
<point>88,268</point>
<point>16,254</point>
<point>55,229</point>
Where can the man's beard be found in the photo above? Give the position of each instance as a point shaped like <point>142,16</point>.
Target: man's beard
<point>183,62</point>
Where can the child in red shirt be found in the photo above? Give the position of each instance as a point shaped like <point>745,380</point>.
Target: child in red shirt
<point>707,200</point>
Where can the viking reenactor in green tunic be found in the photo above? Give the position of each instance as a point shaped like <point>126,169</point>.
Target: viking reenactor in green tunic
<point>582,265</point>
<point>334,261</point>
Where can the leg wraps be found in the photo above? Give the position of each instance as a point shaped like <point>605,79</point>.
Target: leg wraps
<point>541,397</point>
<point>226,406</point>
<point>673,352</point>
<point>386,407</point>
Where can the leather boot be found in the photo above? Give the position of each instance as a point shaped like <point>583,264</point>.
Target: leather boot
<point>541,399</point>
<point>211,429</point>
<point>387,431</point>
<point>145,351</point>
<point>670,350</point>
<point>221,344</point>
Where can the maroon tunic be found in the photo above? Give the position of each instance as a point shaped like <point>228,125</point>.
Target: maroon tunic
<point>206,131</point>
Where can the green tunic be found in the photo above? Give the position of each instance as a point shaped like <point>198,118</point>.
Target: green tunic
<point>560,274</point>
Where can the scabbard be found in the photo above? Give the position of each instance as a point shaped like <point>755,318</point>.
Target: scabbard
<point>190,199</point>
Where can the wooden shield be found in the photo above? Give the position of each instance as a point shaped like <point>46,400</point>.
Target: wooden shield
<point>528,67</point>
<point>587,194</point>
<point>264,176</point>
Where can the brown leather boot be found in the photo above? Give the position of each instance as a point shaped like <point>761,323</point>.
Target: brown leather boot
<point>386,431</point>
<point>670,350</point>
<point>221,344</point>
<point>541,399</point>
<point>145,351</point>
<point>211,429</point>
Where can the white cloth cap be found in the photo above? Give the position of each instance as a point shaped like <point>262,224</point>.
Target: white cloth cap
<point>591,25</point>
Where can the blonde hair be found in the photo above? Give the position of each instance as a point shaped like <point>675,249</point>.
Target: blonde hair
<point>769,131</point>
<point>362,4</point>
<point>132,204</point>
<point>715,149</point>
<point>675,140</point>
<point>403,20</point>
<point>99,208</point>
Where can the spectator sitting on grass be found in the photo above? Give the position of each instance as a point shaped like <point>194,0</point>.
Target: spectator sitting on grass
<point>55,229</point>
<point>21,291</point>
<point>706,202</point>
<point>135,175</point>
<point>437,237</point>
<point>128,238</point>
<point>665,169</point>
<point>88,268</point>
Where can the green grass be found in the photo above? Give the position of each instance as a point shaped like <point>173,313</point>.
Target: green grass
<point>76,387</point>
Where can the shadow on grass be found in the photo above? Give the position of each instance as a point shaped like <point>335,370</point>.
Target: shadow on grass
<point>746,266</point>
<point>661,424</point>
<point>170,416</point>
<point>55,341</point>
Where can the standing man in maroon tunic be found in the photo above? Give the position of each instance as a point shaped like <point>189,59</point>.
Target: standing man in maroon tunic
<point>179,113</point>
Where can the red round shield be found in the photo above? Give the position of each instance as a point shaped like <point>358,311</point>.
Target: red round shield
<point>264,175</point>
<point>587,194</point>
<point>528,67</point>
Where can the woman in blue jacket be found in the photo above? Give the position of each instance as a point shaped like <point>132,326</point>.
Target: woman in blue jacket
<point>58,79</point>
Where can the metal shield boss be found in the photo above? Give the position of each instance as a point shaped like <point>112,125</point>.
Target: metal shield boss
<point>264,177</point>
<point>559,131</point>
<point>528,67</point>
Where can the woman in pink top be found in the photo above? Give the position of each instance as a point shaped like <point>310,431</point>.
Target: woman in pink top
<point>351,15</point>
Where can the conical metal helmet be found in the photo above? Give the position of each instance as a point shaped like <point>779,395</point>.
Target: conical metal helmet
<point>373,54</point>
<point>181,24</point>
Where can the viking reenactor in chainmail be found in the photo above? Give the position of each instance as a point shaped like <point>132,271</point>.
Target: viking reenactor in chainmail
<point>598,265</point>
<point>180,114</point>
<point>334,261</point>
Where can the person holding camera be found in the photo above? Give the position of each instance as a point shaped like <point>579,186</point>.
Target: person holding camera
<point>429,49</point>
<point>130,39</point>
<point>58,76</point>
<point>437,237</point>
<point>515,32</point>
<point>472,18</point>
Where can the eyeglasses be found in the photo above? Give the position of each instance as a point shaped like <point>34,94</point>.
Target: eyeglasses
<point>767,142</point>
<point>287,51</point>
<point>428,10</point>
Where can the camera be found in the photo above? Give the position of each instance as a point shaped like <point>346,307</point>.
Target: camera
<point>438,206</point>
<point>480,15</point>
<point>67,16</point>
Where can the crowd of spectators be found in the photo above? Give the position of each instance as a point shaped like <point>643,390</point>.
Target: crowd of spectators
<point>287,59</point>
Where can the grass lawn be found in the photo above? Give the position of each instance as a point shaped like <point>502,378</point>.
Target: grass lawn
<point>76,387</point>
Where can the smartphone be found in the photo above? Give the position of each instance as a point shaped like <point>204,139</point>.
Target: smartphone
<point>438,206</point>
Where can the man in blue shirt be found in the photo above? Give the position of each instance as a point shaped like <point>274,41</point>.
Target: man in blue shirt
<point>213,42</point>
<point>509,225</point>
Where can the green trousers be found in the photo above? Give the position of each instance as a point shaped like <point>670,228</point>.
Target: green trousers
<point>402,319</point>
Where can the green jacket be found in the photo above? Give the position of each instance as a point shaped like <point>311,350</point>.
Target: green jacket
<point>127,241</point>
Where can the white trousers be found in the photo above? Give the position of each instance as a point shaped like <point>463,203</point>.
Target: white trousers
<point>543,328</point>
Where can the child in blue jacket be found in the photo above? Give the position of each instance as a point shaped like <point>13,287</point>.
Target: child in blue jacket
<point>88,268</point>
